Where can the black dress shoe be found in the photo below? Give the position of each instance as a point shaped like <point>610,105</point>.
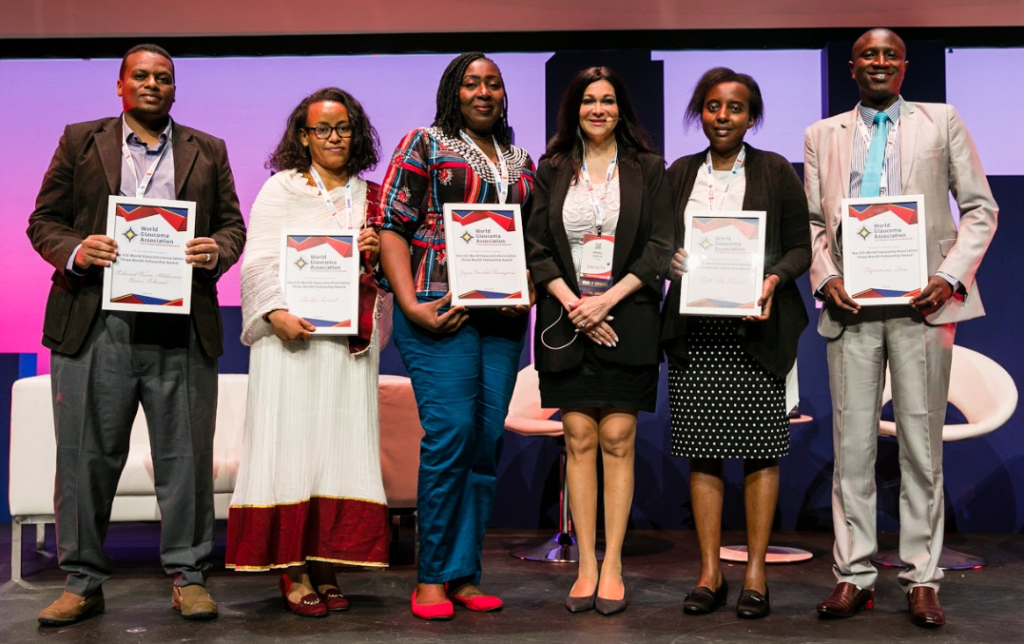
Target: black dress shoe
<point>703,600</point>
<point>753,605</point>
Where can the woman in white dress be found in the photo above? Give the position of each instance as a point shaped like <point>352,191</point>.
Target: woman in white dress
<point>309,492</point>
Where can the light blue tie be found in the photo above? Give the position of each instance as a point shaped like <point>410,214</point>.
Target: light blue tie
<point>871,183</point>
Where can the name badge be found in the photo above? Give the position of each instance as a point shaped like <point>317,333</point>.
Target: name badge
<point>596,267</point>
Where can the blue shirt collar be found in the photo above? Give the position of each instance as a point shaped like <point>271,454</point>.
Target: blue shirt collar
<point>130,137</point>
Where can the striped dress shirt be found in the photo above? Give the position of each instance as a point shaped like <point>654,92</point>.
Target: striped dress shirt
<point>891,165</point>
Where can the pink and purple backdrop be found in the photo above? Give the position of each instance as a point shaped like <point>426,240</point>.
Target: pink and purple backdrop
<point>245,101</point>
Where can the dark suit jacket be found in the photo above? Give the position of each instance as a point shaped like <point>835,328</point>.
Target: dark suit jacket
<point>772,186</point>
<point>72,204</point>
<point>643,239</point>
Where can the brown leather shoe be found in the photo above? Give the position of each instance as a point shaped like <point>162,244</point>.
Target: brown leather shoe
<point>925,609</point>
<point>193,602</point>
<point>70,608</point>
<point>846,599</point>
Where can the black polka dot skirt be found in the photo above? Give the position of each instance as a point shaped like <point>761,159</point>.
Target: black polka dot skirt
<point>724,404</point>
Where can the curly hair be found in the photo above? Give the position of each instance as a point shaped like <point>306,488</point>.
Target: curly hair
<point>567,143</point>
<point>449,110</point>
<point>717,76</point>
<point>364,149</point>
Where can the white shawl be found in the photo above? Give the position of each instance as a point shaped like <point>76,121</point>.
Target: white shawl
<point>285,201</point>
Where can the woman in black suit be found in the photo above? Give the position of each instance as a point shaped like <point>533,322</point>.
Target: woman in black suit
<point>727,375</point>
<point>599,243</point>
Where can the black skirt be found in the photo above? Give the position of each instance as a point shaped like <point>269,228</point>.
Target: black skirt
<point>724,403</point>
<point>599,384</point>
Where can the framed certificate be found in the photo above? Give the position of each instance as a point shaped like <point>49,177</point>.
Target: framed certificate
<point>320,278</point>
<point>486,255</point>
<point>150,272</point>
<point>725,265</point>
<point>885,259</point>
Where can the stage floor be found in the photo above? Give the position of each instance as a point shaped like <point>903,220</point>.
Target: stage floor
<point>983,606</point>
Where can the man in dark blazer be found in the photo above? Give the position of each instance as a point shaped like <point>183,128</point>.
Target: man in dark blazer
<point>105,363</point>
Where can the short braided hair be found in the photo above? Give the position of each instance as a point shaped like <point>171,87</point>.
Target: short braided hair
<point>449,111</point>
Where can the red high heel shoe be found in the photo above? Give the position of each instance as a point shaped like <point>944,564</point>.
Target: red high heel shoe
<point>442,611</point>
<point>308,606</point>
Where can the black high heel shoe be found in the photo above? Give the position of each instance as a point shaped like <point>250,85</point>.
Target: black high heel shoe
<point>703,600</point>
<point>753,605</point>
<point>580,604</point>
<point>610,606</point>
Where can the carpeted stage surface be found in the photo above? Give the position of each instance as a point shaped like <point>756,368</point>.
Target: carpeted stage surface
<point>983,606</point>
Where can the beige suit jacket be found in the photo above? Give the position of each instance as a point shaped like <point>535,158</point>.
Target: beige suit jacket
<point>937,157</point>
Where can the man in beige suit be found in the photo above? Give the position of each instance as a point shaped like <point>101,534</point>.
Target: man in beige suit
<point>918,148</point>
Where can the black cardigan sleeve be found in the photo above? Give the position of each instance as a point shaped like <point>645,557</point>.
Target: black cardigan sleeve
<point>796,230</point>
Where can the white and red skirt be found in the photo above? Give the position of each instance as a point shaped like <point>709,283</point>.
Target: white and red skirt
<point>309,483</point>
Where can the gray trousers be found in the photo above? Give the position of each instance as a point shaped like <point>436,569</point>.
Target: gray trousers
<point>96,395</point>
<point>919,358</point>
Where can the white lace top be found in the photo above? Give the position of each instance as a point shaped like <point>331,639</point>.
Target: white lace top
<point>578,214</point>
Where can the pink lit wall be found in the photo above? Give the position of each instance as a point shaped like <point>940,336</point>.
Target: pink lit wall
<point>243,100</point>
<point>983,85</point>
<point>790,83</point>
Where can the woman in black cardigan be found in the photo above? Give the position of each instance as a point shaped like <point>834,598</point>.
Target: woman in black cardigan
<point>727,375</point>
<point>598,243</point>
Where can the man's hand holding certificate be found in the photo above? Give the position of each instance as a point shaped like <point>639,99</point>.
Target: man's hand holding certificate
<point>884,256</point>
<point>146,267</point>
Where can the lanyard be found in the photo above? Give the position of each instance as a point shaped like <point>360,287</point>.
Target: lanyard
<point>598,209</point>
<point>500,179</point>
<point>736,166</point>
<point>140,187</point>
<point>890,141</point>
<point>331,208</point>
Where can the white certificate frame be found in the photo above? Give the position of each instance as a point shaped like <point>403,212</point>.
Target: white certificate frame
<point>303,240</point>
<point>463,226</point>
<point>865,278</point>
<point>167,218</point>
<point>696,297</point>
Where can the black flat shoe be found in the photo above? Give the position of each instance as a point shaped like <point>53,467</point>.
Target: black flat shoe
<point>753,605</point>
<point>703,600</point>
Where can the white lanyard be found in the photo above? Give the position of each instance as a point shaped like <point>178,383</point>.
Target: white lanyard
<point>500,179</point>
<point>331,208</point>
<point>140,187</point>
<point>736,166</point>
<point>890,141</point>
<point>598,209</point>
